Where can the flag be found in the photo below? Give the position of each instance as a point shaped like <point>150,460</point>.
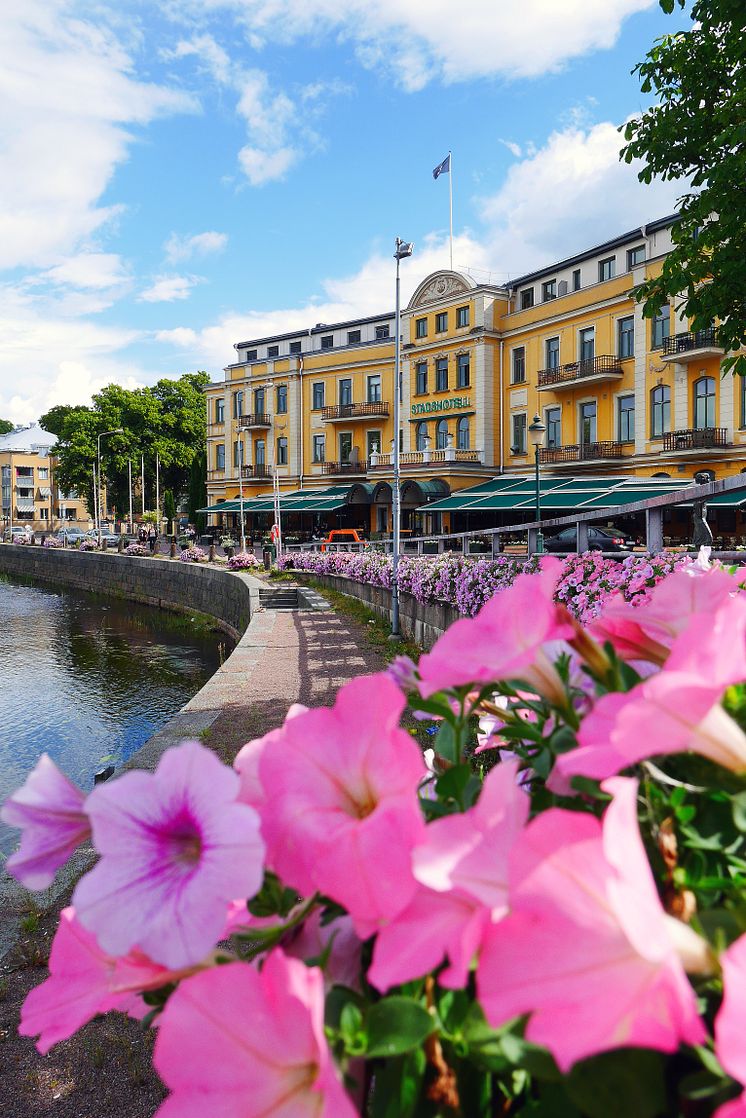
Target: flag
<point>443,168</point>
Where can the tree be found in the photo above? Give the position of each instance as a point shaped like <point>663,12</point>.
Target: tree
<point>6,426</point>
<point>169,506</point>
<point>695,132</point>
<point>198,490</point>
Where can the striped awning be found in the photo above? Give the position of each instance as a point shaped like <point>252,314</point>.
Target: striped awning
<point>45,493</point>
<point>25,504</point>
<point>301,500</point>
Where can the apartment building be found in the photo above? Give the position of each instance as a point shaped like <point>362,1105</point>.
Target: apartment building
<point>620,395</point>
<point>28,488</point>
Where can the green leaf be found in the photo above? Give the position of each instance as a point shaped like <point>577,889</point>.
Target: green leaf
<point>397,1087</point>
<point>738,808</point>
<point>618,1084</point>
<point>535,1060</point>
<point>446,743</point>
<point>452,784</point>
<point>397,1025</point>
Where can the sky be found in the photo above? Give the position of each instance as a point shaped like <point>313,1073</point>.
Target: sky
<point>179,177</point>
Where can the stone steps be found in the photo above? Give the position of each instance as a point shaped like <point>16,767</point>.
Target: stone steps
<point>285,598</point>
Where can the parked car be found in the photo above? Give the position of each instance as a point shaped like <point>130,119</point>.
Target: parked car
<point>72,535</point>
<point>599,539</point>
<point>341,537</point>
<point>12,534</point>
<point>112,538</point>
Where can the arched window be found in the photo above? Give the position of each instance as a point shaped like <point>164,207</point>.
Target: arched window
<point>704,402</point>
<point>441,435</point>
<point>462,433</point>
<point>422,436</point>
<point>660,410</point>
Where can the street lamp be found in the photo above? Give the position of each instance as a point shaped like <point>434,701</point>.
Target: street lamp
<point>536,432</point>
<point>99,437</point>
<point>403,250</point>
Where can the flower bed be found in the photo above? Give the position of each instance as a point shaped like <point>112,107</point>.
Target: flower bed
<point>53,541</point>
<point>192,555</point>
<point>244,561</point>
<point>87,545</point>
<point>137,549</point>
<point>467,583</point>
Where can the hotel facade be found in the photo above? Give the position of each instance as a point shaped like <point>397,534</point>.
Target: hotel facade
<point>621,396</point>
<point>29,495</point>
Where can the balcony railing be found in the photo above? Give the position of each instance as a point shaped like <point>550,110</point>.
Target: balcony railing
<point>215,475</point>
<point>702,438</point>
<point>344,467</point>
<point>255,419</point>
<point>604,366</point>
<point>579,452</point>
<point>255,470</point>
<point>369,409</point>
<point>413,458</point>
<point>691,340</point>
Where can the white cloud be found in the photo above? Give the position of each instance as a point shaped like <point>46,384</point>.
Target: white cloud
<point>167,289</point>
<point>200,244</point>
<point>514,149</point>
<point>261,167</point>
<point>89,270</point>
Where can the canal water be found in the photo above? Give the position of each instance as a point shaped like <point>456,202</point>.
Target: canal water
<point>88,679</point>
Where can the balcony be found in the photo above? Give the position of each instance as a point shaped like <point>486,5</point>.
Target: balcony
<point>344,467</point>
<point>373,409</point>
<point>702,438</point>
<point>582,452</point>
<point>254,419</point>
<point>605,367</point>
<point>215,475</point>
<point>691,346</point>
<point>256,471</point>
<point>413,458</point>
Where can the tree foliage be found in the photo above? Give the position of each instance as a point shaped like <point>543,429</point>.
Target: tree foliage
<point>695,132</point>
<point>198,490</point>
<point>166,421</point>
<point>6,426</point>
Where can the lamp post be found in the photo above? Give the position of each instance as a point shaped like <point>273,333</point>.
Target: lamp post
<point>536,432</point>
<point>403,250</point>
<point>99,437</point>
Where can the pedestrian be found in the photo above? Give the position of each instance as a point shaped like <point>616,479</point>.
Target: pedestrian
<point>142,534</point>
<point>191,534</point>
<point>152,537</point>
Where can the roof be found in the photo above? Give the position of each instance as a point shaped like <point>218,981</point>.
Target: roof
<point>29,439</point>
<point>301,500</point>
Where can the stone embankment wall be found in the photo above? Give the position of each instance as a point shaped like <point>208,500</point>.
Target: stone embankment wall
<point>423,623</point>
<point>157,582</point>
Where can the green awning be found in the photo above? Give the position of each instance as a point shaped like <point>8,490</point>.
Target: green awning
<point>301,500</point>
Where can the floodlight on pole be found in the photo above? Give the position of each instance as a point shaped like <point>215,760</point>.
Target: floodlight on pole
<point>99,437</point>
<point>403,250</point>
<point>536,432</point>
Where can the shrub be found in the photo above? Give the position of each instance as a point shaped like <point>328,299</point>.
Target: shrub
<point>137,549</point>
<point>244,561</point>
<point>192,555</point>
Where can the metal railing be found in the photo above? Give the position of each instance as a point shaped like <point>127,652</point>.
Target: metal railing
<point>689,340</point>
<point>579,452</point>
<point>427,458</point>
<point>344,467</point>
<point>371,408</point>
<point>256,470</point>
<point>696,438</point>
<point>255,419</point>
<point>214,475</point>
<point>606,364</point>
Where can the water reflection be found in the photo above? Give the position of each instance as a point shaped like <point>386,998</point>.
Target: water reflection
<point>84,677</point>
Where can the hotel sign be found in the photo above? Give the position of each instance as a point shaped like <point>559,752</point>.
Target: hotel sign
<point>455,403</point>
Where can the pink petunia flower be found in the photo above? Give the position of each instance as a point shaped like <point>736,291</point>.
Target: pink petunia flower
<point>342,812</point>
<point>729,1024</point>
<point>235,1041</point>
<point>462,871</point>
<point>50,811</point>
<point>83,982</point>
<point>176,848</point>
<point>505,640</point>
<point>587,949</point>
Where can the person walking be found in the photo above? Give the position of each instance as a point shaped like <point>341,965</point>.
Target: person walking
<point>152,537</point>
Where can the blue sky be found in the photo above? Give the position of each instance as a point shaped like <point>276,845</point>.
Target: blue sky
<point>179,177</point>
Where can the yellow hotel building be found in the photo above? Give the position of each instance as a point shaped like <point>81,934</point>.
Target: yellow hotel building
<point>620,396</point>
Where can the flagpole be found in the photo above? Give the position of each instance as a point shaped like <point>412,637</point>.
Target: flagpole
<point>450,199</point>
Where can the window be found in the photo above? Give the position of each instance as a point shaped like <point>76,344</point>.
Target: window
<point>462,370</point>
<point>327,341</point>
<point>259,401</point>
<point>44,512</point>
<point>553,419</point>
<point>220,411</point>
<point>527,298</point>
<point>259,452</point>
<point>626,424</point>
<point>273,351</point>
<point>441,434</point>
<point>743,401</point>
<point>374,389</point>
<point>626,336</point>
<point>237,454</point>
<point>319,448</point>
<point>441,374</point>
<point>295,347</point>
<point>462,316</point>
<point>318,395</point>
<point>382,332</point>
<point>421,378</point>
<point>635,256</point>
<point>576,280</point>
<point>518,365</point>
<point>251,355</point>
<point>43,473</point>
<point>441,322</point>
<point>345,391</point>
<point>282,399</point>
<point>220,456</point>
<point>588,422</point>
<point>353,337</point>
<point>660,411</point>
<point>420,328</point>
<point>282,451</point>
<point>704,403</point>
<point>661,327</point>
<point>237,404</point>
<point>552,353</point>
<point>345,446</point>
<point>606,268</point>
<point>373,442</point>
<point>462,433</point>
<point>518,443</point>
<point>421,437</point>
<point>587,344</point>
<point>549,290</point>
